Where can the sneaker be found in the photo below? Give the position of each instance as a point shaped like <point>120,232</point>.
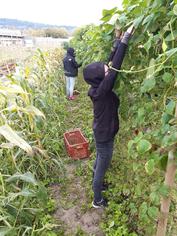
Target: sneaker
<point>103,203</point>
<point>72,97</point>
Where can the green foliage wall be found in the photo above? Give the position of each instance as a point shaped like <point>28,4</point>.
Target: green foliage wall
<point>147,87</point>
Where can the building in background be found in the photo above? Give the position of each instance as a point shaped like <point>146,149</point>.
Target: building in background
<point>10,37</point>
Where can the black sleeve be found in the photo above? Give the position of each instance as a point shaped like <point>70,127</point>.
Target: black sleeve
<point>76,65</point>
<point>119,56</point>
<point>114,48</point>
<point>108,82</point>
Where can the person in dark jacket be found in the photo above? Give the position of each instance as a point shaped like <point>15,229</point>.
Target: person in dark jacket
<point>105,109</point>
<point>70,71</point>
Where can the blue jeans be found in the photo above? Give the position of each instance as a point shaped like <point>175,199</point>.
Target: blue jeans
<point>70,82</point>
<point>104,153</point>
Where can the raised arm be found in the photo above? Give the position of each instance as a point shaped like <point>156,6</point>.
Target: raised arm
<point>108,82</point>
<point>76,65</point>
<point>116,44</point>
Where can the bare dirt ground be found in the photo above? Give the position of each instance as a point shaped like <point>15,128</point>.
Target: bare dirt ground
<point>72,208</point>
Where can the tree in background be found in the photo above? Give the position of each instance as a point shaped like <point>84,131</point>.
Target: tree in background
<point>49,32</point>
<point>56,33</point>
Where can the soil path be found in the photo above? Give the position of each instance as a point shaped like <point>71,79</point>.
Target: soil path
<point>73,201</point>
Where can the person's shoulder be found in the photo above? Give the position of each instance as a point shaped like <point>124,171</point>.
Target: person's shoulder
<point>92,92</point>
<point>68,58</point>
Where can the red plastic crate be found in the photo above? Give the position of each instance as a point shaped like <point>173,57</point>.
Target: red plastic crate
<point>76,144</point>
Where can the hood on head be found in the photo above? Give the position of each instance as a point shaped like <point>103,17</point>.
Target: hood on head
<point>94,73</point>
<point>71,52</point>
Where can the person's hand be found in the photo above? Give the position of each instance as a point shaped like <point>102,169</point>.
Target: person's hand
<point>128,34</point>
<point>118,33</point>
<point>131,30</point>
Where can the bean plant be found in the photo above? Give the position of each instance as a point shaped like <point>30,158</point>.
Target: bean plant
<point>146,85</point>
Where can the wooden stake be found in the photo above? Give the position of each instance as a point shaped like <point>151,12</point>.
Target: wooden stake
<point>169,182</point>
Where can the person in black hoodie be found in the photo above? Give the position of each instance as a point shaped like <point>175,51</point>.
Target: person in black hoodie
<point>70,71</point>
<point>105,109</point>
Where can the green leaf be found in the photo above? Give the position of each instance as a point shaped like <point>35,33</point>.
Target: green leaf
<point>138,190</point>
<point>169,139</point>
<point>143,146</point>
<point>130,8</point>
<point>167,77</point>
<point>171,36</point>
<point>34,111</point>
<point>135,166</point>
<point>15,139</point>
<point>122,19</point>
<point>165,128</point>
<point>26,193</point>
<point>107,37</point>
<point>148,19</point>
<point>111,224</point>
<point>149,82</point>
<point>150,166</point>
<point>154,198</point>
<point>153,212</point>
<point>163,190</point>
<point>175,9</point>
<point>133,208</point>
<point>27,177</point>
<point>139,137</point>
<point>4,231</point>
<point>151,69</point>
<point>168,53</point>
<point>166,118</point>
<point>143,208</point>
<point>148,44</point>
<point>108,28</point>
<point>148,85</point>
<point>163,162</point>
<point>170,108</point>
<point>164,46</point>
<point>171,52</point>
<point>108,14</point>
<point>125,3</point>
<point>130,144</point>
<point>42,194</point>
<point>143,212</point>
<point>137,21</point>
<point>106,18</point>
<point>158,4</point>
<point>14,89</point>
<point>141,115</point>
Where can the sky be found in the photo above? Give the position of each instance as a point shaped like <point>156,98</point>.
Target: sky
<point>57,12</point>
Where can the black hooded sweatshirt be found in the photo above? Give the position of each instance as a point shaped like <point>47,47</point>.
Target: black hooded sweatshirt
<point>70,64</point>
<point>105,101</point>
